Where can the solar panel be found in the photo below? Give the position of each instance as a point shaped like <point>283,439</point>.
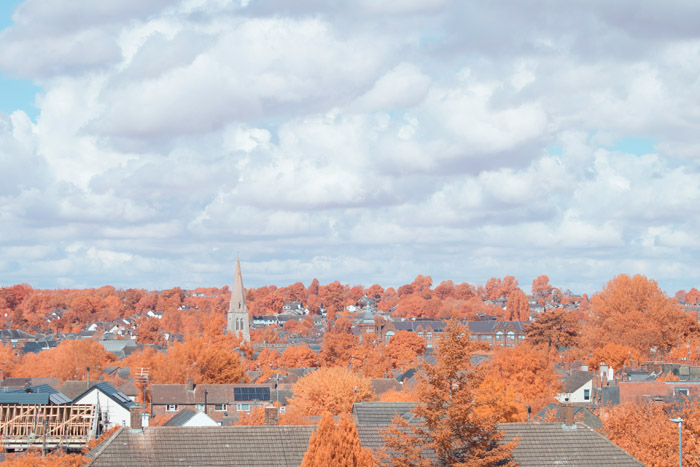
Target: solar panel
<point>251,394</point>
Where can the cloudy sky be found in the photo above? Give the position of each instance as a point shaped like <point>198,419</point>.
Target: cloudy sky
<point>147,145</point>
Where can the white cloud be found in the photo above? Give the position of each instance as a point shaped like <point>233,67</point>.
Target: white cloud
<point>365,142</point>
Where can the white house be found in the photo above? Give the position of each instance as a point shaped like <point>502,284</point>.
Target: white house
<point>577,387</point>
<point>113,405</point>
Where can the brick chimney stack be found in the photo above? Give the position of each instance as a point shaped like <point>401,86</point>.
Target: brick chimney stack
<point>566,414</point>
<point>190,384</point>
<point>271,416</point>
<point>136,421</point>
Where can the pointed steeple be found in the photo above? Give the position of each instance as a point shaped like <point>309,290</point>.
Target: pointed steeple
<point>238,310</point>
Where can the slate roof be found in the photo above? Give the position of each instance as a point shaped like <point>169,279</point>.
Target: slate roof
<point>113,393</point>
<point>245,446</point>
<point>21,397</point>
<point>543,444</point>
<point>55,397</point>
<point>181,418</point>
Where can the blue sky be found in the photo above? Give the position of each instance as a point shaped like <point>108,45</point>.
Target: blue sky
<point>15,93</point>
<point>366,142</point>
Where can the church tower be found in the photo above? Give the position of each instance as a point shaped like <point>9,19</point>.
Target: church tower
<point>237,310</point>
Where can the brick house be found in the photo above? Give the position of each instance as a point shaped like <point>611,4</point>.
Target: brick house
<point>495,333</point>
<point>218,401</point>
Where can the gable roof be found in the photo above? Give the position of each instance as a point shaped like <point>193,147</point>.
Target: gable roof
<point>553,444</point>
<point>576,379</point>
<point>542,444</point>
<point>381,413</point>
<point>181,418</point>
<point>72,389</point>
<point>244,446</point>
<point>113,393</point>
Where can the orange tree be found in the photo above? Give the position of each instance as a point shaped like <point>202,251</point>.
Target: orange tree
<point>635,312</point>
<point>645,431</point>
<point>452,431</point>
<point>329,390</point>
<point>337,445</point>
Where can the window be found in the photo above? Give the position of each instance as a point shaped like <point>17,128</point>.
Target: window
<point>171,408</point>
<point>243,407</point>
<point>220,407</point>
<point>473,337</point>
<point>200,407</point>
<point>486,337</point>
<point>586,394</point>
<point>420,333</point>
<point>430,335</point>
<point>283,409</point>
<point>510,336</point>
<point>499,335</point>
<point>680,391</point>
<point>388,335</point>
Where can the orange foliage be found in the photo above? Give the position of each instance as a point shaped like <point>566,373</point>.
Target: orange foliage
<point>54,459</point>
<point>404,348</point>
<point>453,428</point>
<point>646,432</point>
<point>298,356</point>
<point>614,355</point>
<point>69,360</point>
<point>329,389</point>
<point>529,375</point>
<point>216,361</point>
<point>255,417</point>
<point>635,312</point>
<point>554,328</point>
<point>336,444</point>
<point>517,308</point>
<point>337,349</point>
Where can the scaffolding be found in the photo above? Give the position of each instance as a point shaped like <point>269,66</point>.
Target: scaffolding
<point>68,427</point>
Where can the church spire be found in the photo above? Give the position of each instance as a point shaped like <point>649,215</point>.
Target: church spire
<point>238,310</point>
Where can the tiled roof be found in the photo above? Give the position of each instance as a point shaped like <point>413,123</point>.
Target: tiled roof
<point>382,385</point>
<point>381,413</point>
<point>576,379</point>
<point>216,393</point>
<point>245,446</point>
<point>73,389</point>
<point>543,444</point>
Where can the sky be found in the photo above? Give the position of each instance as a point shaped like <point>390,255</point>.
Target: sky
<point>149,143</point>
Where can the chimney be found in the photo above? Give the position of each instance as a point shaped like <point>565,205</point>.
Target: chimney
<point>566,415</point>
<point>271,416</point>
<point>136,422</point>
<point>190,384</point>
